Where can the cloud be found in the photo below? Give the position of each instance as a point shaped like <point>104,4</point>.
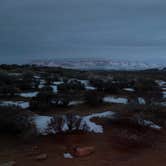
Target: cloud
<point>78,28</point>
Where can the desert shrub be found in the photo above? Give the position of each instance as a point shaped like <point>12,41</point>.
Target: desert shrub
<point>15,121</point>
<point>43,100</point>
<point>8,91</point>
<point>93,98</point>
<point>148,89</point>
<point>145,85</point>
<point>5,78</point>
<point>71,85</point>
<point>129,131</point>
<point>132,138</point>
<point>111,86</point>
<point>155,113</point>
<point>46,100</point>
<point>61,100</point>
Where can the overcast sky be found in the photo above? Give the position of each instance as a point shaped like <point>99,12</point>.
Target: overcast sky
<point>118,29</point>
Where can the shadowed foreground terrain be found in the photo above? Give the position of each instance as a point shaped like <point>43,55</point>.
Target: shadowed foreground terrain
<point>120,115</point>
<point>106,153</point>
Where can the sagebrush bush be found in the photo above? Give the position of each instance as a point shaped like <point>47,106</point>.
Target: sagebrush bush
<point>15,121</point>
<point>71,85</point>
<point>93,98</point>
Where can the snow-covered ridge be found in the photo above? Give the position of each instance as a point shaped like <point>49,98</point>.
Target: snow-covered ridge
<point>93,64</point>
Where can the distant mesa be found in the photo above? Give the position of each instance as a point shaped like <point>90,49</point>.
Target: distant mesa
<point>91,64</point>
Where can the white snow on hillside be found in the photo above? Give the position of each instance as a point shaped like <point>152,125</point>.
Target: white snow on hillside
<point>164,94</point>
<point>21,104</point>
<point>75,103</point>
<point>55,88</point>
<point>89,87</point>
<point>42,83</point>
<point>29,94</point>
<point>86,84</point>
<point>141,100</point>
<point>68,156</point>
<point>89,126</point>
<point>58,82</point>
<point>98,64</point>
<point>42,123</point>
<point>116,100</point>
<point>150,124</point>
<point>129,89</point>
<point>161,83</point>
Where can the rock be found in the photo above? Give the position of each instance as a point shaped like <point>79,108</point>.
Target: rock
<point>10,163</point>
<point>84,151</point>
<point>41,157</point>
<point>67,156</point>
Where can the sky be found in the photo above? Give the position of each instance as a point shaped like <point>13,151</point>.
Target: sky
<point>132,30</point>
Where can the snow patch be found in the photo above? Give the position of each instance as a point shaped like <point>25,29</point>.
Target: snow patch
<point>42,84</point>
<point>42,123</point>
<point>75,103</point>
<point>68,156</point>
<point>29,94</point>
<point>90,87</point>
<point>164,94</point>
<point>151,124</point>
<point>55,88</point>
<point>161,83</point>
<point>87,85</point>
<point>98,64</point>
<point>58,82</point>
<point>141,100</point>
<point>89,126</point>
<point>129,89</point>
<point>117,100</point>
<point>64,126</point>
<point>21,104</point>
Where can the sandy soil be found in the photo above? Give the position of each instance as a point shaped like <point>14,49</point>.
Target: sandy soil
<point>105,154</point>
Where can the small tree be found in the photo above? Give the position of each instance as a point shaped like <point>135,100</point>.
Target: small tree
<point>93,98</point>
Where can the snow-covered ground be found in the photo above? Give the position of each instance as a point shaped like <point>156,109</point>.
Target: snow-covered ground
<point>43,123</point>
<point>57,82</point>
<point>55,85</point>
<point>21,104</point>
<point>164,94</point>
<point>41,84</point>
<point>55,88</point>
<point>161,83</point>
<point>150,124</point>
<point>86,84</point>
<point>75,103</point>
<point>97,64</point>
<point>116,100</point>
<point>141,100</point>
<point>129,89</point>
<point>68,156</point>
<point>36,77</point>
<point>29,94</point>
<point>87,125</point>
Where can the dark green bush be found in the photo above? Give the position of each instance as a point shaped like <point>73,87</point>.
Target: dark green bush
<point>93,98</point>
<point>15,120</point>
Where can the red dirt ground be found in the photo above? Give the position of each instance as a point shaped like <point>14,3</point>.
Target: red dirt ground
<point>106,154</point>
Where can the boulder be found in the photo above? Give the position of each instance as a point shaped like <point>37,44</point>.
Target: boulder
<point>83,151</point>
